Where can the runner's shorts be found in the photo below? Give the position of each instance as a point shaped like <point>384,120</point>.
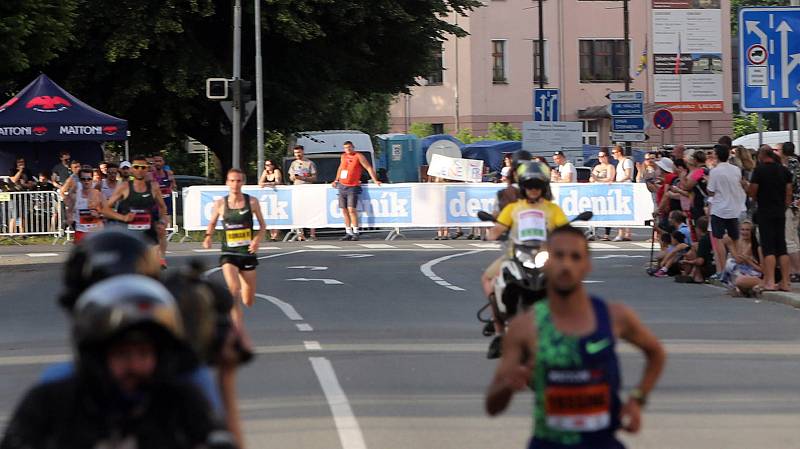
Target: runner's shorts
<point>243,263</point>
<point>348,196</point>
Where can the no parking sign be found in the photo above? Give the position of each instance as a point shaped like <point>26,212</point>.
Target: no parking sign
<point>662,119</point>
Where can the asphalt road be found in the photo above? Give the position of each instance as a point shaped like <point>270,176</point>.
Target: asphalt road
<point>387,353</point>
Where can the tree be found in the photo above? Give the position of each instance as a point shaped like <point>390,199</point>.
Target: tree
<point>503,131</point>
<point>420,130</point>
<point>747,124</point>
<point>326,63</point>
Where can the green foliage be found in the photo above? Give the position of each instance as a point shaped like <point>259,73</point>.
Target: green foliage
<point>328,64</point>
<point>736,5</point>
<point>420,130</point>
<point>503,131</point>
<point>747,124</point>
<point>465,135</point>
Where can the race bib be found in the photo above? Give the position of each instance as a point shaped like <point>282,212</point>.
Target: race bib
<point>343,174</point>
<point>87,221</point>
<point>578,408</point>
<point>531,225</point>
<point>166,192</point>
<point>236,238</point>
<point>142,220</point>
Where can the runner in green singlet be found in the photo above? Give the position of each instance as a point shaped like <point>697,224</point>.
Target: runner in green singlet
<point>140,203</point>
<point>239,245</point>
<point>564,348</point>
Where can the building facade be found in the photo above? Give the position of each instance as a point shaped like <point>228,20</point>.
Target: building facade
<point>489,76</point>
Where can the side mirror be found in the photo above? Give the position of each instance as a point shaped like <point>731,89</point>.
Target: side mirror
<point>584,216</point>
<point>485,216</point>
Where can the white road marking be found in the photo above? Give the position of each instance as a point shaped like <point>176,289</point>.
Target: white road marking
<point>322,247</point>
<point>304,327</point>
<point>265,248</point>
<point>203,250</point>
<point>593,245</point>
<point>356,256</point>
<point>642,244</point>
<point>285,307</point>
<point>312,346</point>
<point>427,269</point>
<point>346,424</point>
<point>376,245</point>
<point>271,256</point>
<point>617,256</point>
<point>324,281</point>
<point>587,281</point>
<point>308,267</point>
<point>42,254</point>
<point>433,245</point>
<point>486,245</point>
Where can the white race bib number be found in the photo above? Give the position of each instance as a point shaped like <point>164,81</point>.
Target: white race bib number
<point>142,220</point>
<point>531,225</point>
<point>343,174</point>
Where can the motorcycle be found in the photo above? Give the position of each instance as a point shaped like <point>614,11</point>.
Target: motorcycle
<point>520,284</point>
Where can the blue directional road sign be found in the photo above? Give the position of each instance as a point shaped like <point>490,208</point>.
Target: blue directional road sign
<point>627,124</point>
<point>627,108</point>
<point>545,105</point>
<point>769,56</point>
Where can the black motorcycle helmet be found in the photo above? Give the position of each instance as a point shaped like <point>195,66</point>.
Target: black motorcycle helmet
<point>534,175</point>
<point>102,255</point>
<point>516,158</point>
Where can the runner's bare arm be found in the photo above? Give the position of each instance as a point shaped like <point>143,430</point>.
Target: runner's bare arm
<point>512,374</point>
<point>496,231</point>
<point>67,186</point>
<point>262,224</point>
<point>121,192</point>
<point>365,163</point>
<point>162,206</point>
<point>212,223</point>
<point>631,329</point>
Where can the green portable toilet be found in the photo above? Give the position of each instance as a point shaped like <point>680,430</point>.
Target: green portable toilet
<point>401,154</point>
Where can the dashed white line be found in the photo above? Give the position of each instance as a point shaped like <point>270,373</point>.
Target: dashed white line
<point>203,250</point>
<point>285,307</point>
<point>486,245</point>
<point>432,245</point>
<point>594,245</point>
<point>312,346</point>
<point>322,246</point>
<point>427,269</point>
<point>42,254</point>
<point>304,327</point>
<point>376,245</point>
<point>346,424</point>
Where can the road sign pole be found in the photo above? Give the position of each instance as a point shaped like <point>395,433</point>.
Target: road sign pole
<point>541,44</point>
<point>236,119</point>
<point>760,131</point>
<point>259,92</point>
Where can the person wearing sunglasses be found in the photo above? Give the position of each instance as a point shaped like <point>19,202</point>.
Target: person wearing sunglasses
<point>140,203</point>
<point>88,204</point>
<point>271,177</point>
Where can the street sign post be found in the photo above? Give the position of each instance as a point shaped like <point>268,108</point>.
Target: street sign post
<point>546,105</point>
<point>769,56</point>
<point>627,116</point>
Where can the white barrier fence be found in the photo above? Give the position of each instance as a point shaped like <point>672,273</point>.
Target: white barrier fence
<point>424,205</point>
<point>30,213</point>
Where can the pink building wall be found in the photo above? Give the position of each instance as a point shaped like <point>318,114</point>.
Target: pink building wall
<point>480,102</point>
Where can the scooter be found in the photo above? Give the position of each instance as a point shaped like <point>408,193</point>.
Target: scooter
<point>521,282</point>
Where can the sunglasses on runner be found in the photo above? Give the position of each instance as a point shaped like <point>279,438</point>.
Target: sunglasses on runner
<point>86,179</point>
<point>140,167</point>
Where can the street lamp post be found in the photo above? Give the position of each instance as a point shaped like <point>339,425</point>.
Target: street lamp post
<point>236,127</point>
<point>541,44</point>
<point>259,92</point>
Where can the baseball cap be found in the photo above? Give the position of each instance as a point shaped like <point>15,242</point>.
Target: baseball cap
<point>559,153</point>
<point>666,164</point>
<point>125,164</point>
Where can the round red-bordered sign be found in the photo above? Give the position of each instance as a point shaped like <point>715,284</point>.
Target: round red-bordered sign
<point>662,119</point>
<point>757,54</point>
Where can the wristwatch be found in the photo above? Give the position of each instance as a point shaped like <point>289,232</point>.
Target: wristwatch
<point>638,396</point>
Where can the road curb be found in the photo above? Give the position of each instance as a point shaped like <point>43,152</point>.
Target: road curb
<point>789,299</point>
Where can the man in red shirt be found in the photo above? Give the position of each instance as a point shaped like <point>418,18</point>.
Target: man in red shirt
<point>348,181</point>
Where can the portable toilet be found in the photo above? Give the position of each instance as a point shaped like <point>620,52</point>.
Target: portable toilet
<point>401,152</point>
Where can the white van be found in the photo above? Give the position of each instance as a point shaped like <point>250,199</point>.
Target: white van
<point>325,149</point>
<point>768,137</point>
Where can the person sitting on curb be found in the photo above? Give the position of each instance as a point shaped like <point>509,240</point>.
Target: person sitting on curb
<point>675,253</point>
<point>698,265</point>
<point>742,273</point>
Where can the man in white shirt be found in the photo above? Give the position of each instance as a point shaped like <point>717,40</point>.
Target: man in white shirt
<point>624,173</point>
<point>727,201</point>
<point>565,172</point>
<point>302,171</point>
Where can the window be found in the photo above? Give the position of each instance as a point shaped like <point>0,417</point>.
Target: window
<point>536,61</point>
<point>438,128</point>
<point>499,62</point>
<point>591,134</point>
<point>436,77</point>
<point>602,61</point>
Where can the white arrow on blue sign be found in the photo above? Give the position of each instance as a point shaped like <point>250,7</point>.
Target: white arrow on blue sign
<point>545,105</point>
<point>771,82</point>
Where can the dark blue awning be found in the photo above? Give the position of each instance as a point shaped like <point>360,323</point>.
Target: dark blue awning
<point>44,112</point>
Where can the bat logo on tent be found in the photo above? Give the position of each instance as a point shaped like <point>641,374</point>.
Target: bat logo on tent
<point>39,130</point>
<point>9,103</point>
<point>46,103</point>
<point>110,129</point>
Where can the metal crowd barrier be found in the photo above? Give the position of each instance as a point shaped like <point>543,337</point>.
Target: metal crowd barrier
<point>24,214</point>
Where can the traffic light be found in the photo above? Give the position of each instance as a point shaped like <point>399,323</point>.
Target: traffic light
<point>217,89</point>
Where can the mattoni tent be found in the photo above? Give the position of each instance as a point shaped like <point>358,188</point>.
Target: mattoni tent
<point>43,119</point>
